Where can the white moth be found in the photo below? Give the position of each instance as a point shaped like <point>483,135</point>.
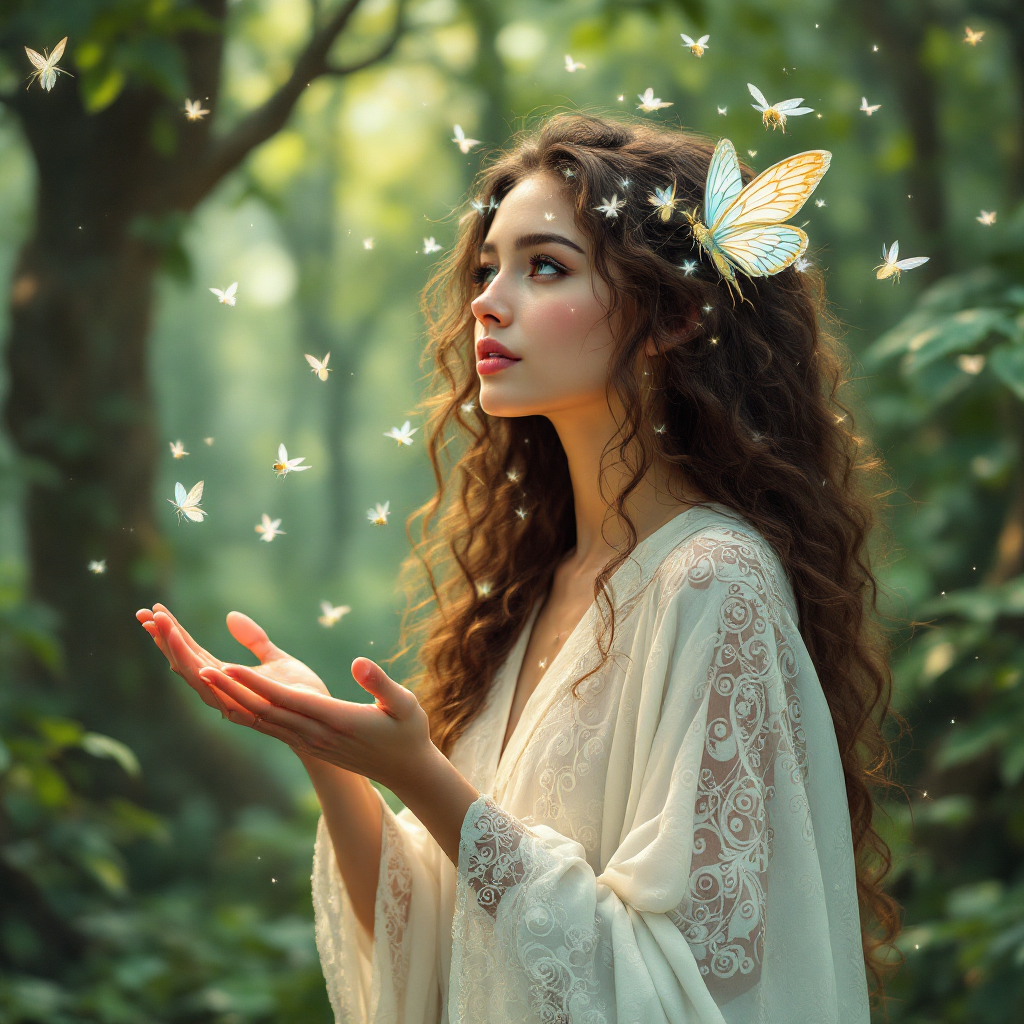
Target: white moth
<point>891,266</point>
<point>649,102</point>
<point>430,245</point>
<point>402,434</point>
<point>572,65</point>
<point>226,297</point>
<point>319,365</point>
<point>194,110</point>
<point>188,504</point>
<point>462,142</point>
<point>869,108</point>
<point>284,465</point>
<point>331,613</point>
<point>268,528</point>
<point>45,65</point>
<point>379,515</point>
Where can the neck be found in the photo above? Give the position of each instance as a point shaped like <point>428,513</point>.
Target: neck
<point>661,494</point>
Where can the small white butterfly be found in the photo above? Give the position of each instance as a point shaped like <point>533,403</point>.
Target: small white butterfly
<point>481,209</point>
<point>610,207</point>
<point>549,216</point>
<point>819,203</point>
<point>869,108</point>
<point>429,246</point>
<point>226,297</point>
<point>891,266</point>
<point>722,110</point>
<point>319,365</point>
<point>188,504</point>
<point>367,243</point>
<point>751,153</point>
<point>331,614</point>
<point>194,110</point>
<point>988,218</point>
<point>665,200</point>
<point>178,449</point>
<point>402,434</point>
<point>971,364</point>
<point>45,65</point>
<point>649,102</point>
<point>572,65</point>
<point>208,441</point>
<point>98,567</point>
<point>971,36</point>
<point>268,528</point>
<point>688,267</point>
<point>462,142</point>
<point>379,515</point>
<point>284,465</point>
<point>774,114</point>
<point>696,48</point>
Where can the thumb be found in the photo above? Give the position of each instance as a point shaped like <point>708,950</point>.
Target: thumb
<point>252,635</point>
<point>392,696</point>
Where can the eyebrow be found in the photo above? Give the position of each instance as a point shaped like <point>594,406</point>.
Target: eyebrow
<point>536,238</point>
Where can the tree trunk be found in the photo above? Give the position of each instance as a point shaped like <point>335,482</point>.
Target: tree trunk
<point>80,407</point>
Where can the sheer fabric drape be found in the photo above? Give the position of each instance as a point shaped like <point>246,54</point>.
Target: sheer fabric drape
<point>673,847</point>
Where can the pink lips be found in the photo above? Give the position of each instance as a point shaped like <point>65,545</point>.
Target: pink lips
<point>494,357</point>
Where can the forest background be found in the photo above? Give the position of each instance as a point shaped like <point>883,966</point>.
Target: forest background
<point>154,859</point>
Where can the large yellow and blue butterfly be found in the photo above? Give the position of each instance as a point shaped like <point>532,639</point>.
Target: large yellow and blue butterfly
<point>742,227</point>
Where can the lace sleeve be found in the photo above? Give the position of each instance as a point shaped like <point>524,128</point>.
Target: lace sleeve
<point>748,733</point>
<point>368,977</point>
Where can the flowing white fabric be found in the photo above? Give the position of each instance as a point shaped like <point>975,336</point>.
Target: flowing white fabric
<point>673,848</point>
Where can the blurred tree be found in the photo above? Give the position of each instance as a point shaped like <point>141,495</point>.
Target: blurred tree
<point>119,169</point>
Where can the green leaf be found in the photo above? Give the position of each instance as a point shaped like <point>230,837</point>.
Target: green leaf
<point>106,746</point>
<point>60,731</point>
<point>983,604</point>
<point>1011,769</point>
<point>99,91</point>
<point>959,332</point>
<point>1007,363</point>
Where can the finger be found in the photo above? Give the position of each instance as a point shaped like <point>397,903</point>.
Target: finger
<point>260,706</point>
<point>188,668</point>
<point>153,630</point>
<point>208,658</point>
<point>252,635</point>
<point>304,702</point>
<point>239,716</point>
<point>393,697</point>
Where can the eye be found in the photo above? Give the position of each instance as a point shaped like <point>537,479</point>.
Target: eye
<point>545,266</point>
<point>484,274</point>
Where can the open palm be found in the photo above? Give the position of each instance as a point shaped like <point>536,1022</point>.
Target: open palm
<point>187,658</point>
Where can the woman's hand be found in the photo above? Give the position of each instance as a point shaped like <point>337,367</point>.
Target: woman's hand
<point>187,658</point>
<point>387,741</point>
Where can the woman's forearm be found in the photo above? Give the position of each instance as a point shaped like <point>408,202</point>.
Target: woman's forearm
<point>352,813</point>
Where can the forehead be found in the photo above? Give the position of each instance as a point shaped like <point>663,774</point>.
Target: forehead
<point>535,202</point>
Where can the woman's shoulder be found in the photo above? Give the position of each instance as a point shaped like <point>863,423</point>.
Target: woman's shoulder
<point>718,549</point>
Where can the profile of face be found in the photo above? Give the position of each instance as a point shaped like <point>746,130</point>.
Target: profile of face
<point>542,302</point>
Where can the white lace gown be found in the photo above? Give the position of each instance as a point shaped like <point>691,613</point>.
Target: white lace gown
<point>674,848</point>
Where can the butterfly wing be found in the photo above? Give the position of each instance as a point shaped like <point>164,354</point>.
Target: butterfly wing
<point>179,494</point>
<point>314,362</point>
<point>914,261</point>
<point>776,194</point>
<point>703,41</point>
<point>687,39</point>
<point>788,105</point>
<point>232,288</point>
<point>195,495</point>
<point>38,60</point>
<point>758,95</point>
<point>724,180</point>
<point>764,249</point>
<point>282,453</point>
<point>58,51</point>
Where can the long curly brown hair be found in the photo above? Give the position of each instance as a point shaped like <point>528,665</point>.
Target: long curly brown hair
<point>748,394</point>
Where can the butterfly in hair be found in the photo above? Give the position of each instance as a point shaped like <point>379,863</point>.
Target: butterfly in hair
<point>742,227</point>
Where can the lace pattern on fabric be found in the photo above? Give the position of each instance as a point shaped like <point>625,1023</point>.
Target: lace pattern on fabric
<point>513,880</point>
<point>752,731</point>
<point>344,944</point>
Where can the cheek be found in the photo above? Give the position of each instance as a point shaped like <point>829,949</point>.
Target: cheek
<point>567,329</point>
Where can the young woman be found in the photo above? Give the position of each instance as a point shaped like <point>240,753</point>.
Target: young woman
<point>637,758</point>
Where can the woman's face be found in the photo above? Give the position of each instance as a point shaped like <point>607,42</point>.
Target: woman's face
<point>540,299</point>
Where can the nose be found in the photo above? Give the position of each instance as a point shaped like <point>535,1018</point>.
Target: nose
<point>490,308</point>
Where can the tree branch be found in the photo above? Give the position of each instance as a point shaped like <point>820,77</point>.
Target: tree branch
<point>225,154</point>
